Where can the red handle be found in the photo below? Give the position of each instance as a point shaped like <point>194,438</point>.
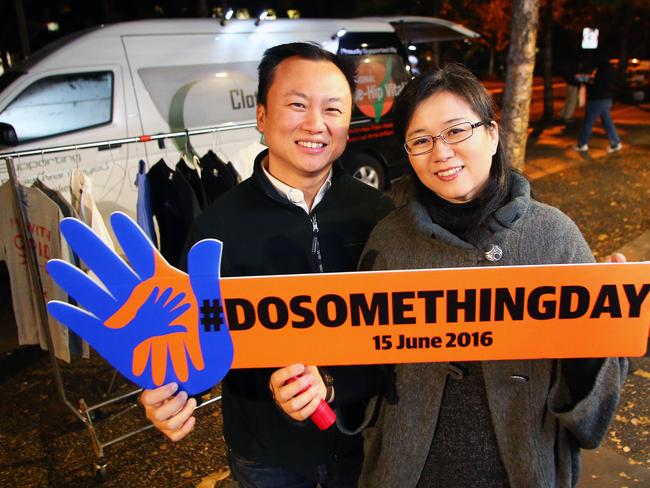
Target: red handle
<point>323,416</point>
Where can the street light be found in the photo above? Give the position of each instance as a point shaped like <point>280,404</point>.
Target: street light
<point>338,34</point>
<point>227,16</point>
<point>263,15</point>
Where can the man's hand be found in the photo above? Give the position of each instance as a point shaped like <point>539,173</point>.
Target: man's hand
<point>169,413</point>
<point>300,398</point>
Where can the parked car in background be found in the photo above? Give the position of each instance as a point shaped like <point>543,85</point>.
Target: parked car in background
<point>635,87</point>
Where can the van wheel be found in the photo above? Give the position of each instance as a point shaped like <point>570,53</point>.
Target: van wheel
<point>367,169</point>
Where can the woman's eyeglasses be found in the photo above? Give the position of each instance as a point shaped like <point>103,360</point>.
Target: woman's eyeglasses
<point>451,135</point>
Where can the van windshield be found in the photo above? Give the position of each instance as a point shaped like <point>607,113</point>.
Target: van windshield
<point>8,78</point>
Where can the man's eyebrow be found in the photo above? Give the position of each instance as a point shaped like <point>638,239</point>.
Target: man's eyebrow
<point>297,93</point>
<point>305,96</point>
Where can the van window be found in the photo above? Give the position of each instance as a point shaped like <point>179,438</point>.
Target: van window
<point>60,104</point>
<point>380,78</point>
<point>202,95</point>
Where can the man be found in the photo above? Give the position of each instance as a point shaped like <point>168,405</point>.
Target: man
<point>599,104</point>
<point>297,213</point>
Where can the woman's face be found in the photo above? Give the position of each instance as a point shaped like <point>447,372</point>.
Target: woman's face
<point>458,172</point>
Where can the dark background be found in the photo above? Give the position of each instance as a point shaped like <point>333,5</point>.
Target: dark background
<point>624,25</point>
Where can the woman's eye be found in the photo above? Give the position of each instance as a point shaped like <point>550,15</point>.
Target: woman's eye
<point>419,142</point>
<point>455,131</point>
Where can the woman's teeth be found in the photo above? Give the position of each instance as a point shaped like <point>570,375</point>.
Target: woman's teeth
<point>450,171</point>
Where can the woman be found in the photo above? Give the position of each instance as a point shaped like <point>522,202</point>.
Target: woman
<point>492,423</point>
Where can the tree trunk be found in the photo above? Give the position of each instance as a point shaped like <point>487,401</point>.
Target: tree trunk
<point>435,57</point>
<point>107,10</point>
<point>548,62</point>
<point>4,60</point>
<point>491,63</point>
<point>519,80</point>
<point>22,29</point>
<point>203,8</point>
<point>625,34</point>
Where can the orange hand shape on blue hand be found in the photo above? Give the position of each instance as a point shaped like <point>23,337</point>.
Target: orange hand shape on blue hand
<point>152,322</point>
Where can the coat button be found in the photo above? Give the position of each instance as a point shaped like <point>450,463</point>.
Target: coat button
<point>519,378</point>
<point>495,253</point>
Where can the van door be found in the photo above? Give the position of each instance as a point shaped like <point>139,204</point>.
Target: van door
<point>68,108</point>
<point>196,80</point>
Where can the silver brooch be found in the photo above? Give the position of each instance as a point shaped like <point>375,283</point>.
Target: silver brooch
<point>494,254</point>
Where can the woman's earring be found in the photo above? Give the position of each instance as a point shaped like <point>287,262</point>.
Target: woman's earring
<point>262,139</point>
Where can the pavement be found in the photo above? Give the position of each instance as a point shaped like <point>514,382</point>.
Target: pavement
<point>42,444</point>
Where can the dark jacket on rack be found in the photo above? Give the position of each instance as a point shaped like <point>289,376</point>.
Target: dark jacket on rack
<point>265,234</point>
<point>194,179</point>
<point>174,206</point>
<point>217,177</point>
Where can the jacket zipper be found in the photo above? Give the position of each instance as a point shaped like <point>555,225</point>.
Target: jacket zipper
<point>315,245</point>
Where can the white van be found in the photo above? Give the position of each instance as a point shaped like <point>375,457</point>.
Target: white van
<point>156,76</point>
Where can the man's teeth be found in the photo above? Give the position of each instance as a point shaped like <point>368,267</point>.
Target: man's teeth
<point>311,144</point>
<point>450,171</point>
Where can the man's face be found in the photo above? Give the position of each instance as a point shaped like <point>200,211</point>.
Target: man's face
<point>306,119</point>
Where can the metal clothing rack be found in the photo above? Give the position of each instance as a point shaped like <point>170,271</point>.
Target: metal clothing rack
<point>88,413</point>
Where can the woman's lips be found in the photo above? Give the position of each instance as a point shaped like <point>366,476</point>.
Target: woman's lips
<point>449,173</point>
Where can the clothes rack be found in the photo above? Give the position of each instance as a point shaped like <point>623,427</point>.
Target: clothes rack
<point>89,413</point>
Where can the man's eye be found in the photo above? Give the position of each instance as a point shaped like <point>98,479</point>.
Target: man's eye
<point>335,109</point>
<point>297,105</point>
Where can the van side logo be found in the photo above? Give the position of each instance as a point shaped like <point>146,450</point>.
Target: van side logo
<point>376,89</point>
<point>239,99</point>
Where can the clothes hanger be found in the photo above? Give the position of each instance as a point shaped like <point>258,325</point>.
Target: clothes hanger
<point>192,159</point>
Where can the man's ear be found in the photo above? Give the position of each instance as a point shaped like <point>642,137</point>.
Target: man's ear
<point>493,131</point>
<point>261,117</point>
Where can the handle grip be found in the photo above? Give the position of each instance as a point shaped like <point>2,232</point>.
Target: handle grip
<point>323,416</point>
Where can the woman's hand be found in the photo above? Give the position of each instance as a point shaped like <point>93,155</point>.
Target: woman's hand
<point>616,257</point>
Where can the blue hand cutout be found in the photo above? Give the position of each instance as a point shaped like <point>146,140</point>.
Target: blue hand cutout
<point>149,336</point>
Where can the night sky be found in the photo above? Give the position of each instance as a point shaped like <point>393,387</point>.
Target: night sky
<point>570,17</point>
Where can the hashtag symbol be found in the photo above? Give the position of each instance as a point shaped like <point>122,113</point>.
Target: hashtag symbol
<point>211,315</point>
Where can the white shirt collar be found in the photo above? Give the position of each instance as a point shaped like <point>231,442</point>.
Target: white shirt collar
<point>294,195</point>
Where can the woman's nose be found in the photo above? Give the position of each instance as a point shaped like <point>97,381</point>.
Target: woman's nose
<point>441,150</point>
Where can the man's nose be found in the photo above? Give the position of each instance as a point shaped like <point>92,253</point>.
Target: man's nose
<point>314,121</point>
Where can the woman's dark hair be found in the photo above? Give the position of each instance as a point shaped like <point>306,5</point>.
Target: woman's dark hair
<point>457,79</point>
<point>304,50</point>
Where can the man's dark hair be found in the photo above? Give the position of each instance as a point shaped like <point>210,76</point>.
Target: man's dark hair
<point>275,55</point>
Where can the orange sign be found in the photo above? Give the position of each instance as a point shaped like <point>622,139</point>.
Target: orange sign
<point>439,315</point>
<point>156,324</point>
